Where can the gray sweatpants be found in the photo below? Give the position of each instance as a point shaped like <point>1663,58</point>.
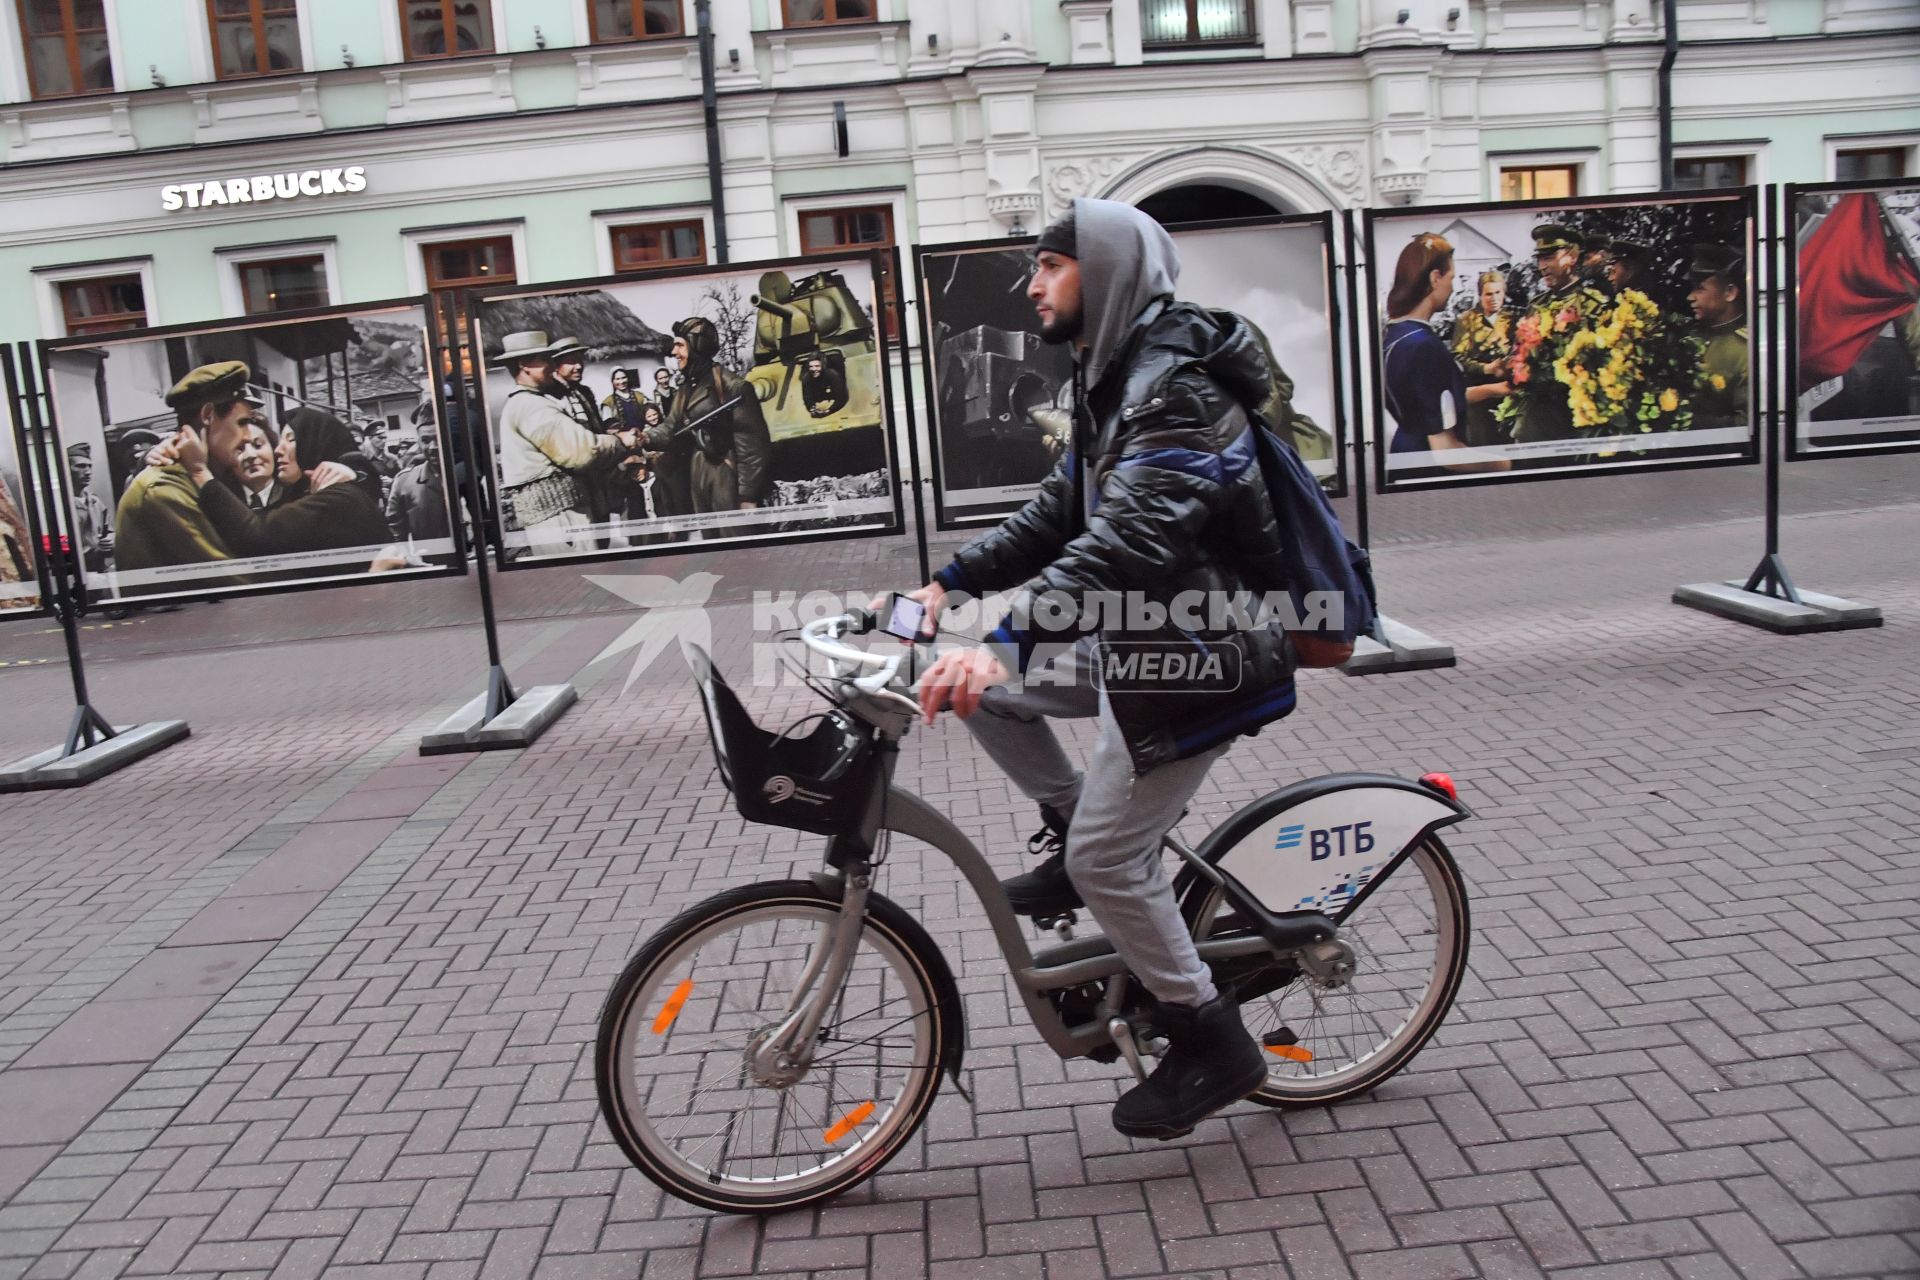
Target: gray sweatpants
<point>1118,819</point>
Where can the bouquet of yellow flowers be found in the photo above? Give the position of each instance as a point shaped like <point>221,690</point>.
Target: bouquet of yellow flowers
<point>1539,338</point>
<point>1629,369</point>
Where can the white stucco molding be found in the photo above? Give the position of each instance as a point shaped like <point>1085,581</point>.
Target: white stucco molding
<point>1302,177</point>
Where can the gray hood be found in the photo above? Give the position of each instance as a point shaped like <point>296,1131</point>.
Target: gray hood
<point>1127,262</point>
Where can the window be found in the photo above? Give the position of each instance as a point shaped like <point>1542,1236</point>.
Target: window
<point>105,304</point>
<point>446,28</point>
<point>1541,182</point>
<point>616,20</point>
<point>66,47</point>
<point>643,246</point>
<point>1864,164</point>
<point>283,284</point>
<point>866,227</point>
<point>813,13</point>
<point>1165,22</point>
<point>468,264</point>
<point>254,37</point>
<point>1709,173</point>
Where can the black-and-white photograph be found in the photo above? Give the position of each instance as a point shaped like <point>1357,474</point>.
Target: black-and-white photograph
<point>1856,319</point>
<point>999,394</point>
<point>629,417</point>
<point>254,454</point>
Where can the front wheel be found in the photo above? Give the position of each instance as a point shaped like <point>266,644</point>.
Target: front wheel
<point>1405,953</point>
<point>675,1067</point>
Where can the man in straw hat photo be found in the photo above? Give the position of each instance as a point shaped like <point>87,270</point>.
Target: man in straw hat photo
<point>543,450</point>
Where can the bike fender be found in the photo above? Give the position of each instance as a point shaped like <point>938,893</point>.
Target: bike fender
<point>1318,845</point>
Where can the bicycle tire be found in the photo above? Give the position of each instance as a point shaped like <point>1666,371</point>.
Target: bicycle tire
<point>615,1085</point>
<point>1431,859</point>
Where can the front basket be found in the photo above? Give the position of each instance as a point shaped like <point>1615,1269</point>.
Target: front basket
<point>819,781</point>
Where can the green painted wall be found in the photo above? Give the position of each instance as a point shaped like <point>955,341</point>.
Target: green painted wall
<point>1052,38</point>
<point>353,23</point>
<point>1797,144</point>
<point>554,18</point>
<point>152,37</point>
<point>1795,17</point>
<point>1346,28</point>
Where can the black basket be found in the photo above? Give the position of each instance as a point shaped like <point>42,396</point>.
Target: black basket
<point>821,781</point>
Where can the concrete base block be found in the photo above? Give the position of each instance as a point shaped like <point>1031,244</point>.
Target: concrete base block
<point>522,721</point>
<point>49,769</point>
<point>1406,650</point>
<point>1816,612</point>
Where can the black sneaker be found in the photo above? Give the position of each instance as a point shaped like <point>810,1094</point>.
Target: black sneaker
<point>1211,1062</point>
<point>1045,891</point>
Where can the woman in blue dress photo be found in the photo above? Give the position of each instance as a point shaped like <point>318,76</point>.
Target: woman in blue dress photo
<point>1426,392</point>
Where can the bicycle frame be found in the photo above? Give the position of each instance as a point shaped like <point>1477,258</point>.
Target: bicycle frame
<point>1230,858</point>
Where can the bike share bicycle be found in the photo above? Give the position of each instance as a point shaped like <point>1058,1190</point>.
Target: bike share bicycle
<point>777,1044</point>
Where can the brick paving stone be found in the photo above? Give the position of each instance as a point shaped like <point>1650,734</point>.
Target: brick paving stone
<point>1686,1047</point>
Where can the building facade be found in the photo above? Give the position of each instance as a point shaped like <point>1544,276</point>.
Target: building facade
<point>169,161</point>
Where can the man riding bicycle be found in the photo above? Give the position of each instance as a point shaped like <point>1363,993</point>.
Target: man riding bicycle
<point>1157,500</point>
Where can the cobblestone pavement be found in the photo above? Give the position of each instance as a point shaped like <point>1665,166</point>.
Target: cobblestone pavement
<point>288,999</point>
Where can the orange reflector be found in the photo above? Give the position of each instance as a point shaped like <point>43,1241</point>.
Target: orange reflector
<point>1292,1052</point>
<point>850,1122</point>
<point>671,1009</point>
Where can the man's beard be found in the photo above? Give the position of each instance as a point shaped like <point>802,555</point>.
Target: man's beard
<point>1060,329</point>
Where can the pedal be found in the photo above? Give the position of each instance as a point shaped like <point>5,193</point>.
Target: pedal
<point>1061,925</point>
<point>1279,1038</point>
<point>1122,1034</point>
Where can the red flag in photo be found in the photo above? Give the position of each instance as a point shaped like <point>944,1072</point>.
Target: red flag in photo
<point>1853,281</point>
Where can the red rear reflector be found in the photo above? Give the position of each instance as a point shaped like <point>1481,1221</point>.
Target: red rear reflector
<point>1442,783</point>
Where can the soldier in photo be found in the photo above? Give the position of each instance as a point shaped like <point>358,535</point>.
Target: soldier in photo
<point>1483,345</point>
<point>1557,254</point>
<point>93,524</point>
<point>417,501</point>
<point>373,446</point>
<point>1627,266</point>
<point>732,450</point>
<point>544,450</point>
<point>823,388</point>
<point>160,517</point>
<point>1719,300</point>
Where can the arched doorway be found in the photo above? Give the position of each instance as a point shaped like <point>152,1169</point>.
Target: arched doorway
<point>1204,202</point>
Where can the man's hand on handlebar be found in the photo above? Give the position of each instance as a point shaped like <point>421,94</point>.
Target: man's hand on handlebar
<point>958,678</point>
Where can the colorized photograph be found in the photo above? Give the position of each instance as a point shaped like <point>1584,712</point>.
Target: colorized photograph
<point>651,414</point>
<point>19,550</point>
<point>1561,338</point>
<point>1855,321</point>
<point>1000,396</point>
<point>253,454</point>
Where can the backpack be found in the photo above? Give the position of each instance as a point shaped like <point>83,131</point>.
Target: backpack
<point>1318,556</point>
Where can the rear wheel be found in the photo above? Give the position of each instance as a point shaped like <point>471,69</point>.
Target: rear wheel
<point>675,1068</point>
<point>1404,949</point>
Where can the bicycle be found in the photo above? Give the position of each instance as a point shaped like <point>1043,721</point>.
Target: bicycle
<point>779,1043</point>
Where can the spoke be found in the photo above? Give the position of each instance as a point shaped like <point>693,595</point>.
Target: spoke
<point>857,1043</point>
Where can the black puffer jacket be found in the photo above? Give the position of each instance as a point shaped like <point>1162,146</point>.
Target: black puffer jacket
<point>1172,502</point>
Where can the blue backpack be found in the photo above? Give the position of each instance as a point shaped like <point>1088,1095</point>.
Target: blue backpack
<point>1319,557</point>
